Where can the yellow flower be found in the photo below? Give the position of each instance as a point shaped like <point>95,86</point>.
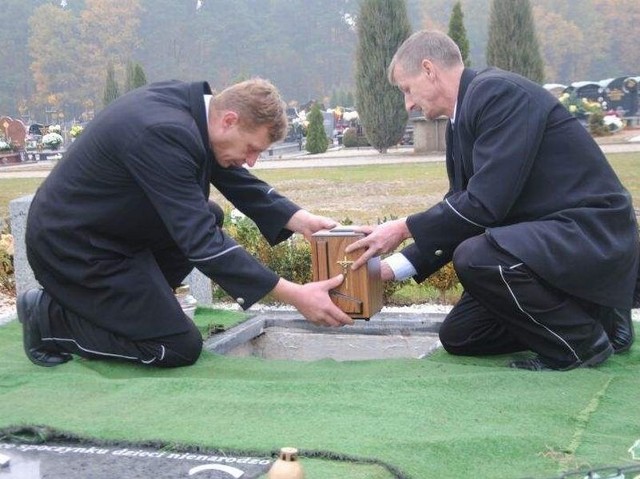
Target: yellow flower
<point>75,130</point>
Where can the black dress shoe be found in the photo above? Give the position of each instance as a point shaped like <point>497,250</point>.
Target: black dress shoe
<point>597,354</point>
<point>28,307</point>
<point>622,334</point>
<point>533,364</point>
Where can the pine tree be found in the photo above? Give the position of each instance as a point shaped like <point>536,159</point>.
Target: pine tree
<point>512,43</point>
<point>317,141</point>
<point>382,26</point>
<point>111,90</point>
<point>458,32</point>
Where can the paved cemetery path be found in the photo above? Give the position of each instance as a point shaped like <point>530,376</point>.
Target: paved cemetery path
<point>334,157</point>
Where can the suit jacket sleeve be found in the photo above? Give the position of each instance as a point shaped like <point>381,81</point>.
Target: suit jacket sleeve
<point>259,201</point>
<point>165,165</point>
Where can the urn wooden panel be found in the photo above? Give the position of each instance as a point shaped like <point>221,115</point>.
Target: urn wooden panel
<point>360,294</point>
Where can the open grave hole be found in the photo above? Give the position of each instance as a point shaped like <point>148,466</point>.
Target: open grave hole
<point>287,335</point>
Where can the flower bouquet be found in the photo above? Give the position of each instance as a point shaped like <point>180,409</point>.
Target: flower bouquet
<point>75,131</point>
<point>52,140</point>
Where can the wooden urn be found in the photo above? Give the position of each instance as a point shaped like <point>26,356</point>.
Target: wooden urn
<point>360,294</point>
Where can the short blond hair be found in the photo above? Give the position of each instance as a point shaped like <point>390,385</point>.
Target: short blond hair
<point>257,102</point>
<point>425,44</point>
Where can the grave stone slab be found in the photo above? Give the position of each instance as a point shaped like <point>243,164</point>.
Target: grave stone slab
<point>63,461</point>
<point>14,131</point>
<point>18,210</point>
<point>17,133</point>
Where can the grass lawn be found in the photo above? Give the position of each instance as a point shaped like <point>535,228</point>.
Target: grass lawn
<point>443,417</point>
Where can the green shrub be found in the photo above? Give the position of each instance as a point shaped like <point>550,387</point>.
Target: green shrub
<point>317,141</point>
<point>444,280</point>
<point>7,278</point>
<point>351,139</point>
<point>596,124</point>
<point>390,288</point>
<point>290,259</point>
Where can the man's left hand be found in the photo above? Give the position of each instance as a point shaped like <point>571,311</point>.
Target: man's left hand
<point>307,223</point>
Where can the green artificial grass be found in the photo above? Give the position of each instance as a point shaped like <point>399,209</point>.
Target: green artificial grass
<point>442,417</point>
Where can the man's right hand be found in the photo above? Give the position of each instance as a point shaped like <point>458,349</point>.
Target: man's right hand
<point>312,300</point>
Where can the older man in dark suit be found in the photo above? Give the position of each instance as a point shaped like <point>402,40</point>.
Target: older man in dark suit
<point>542,234</point>
<point>124,217</point>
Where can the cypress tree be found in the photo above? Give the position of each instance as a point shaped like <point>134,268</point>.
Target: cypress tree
<point>128,84</point>
<point>111,91</point>
<point>458,32</point>
<point>317,141</point>
<point>139,78</point>
<point>335,99</point>
<point>349,101</point>
<point>512,43</point>
<point>135,76</point>
<point>382,26</point>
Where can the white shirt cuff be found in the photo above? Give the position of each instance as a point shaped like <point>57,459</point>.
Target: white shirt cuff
<point>401,266</point>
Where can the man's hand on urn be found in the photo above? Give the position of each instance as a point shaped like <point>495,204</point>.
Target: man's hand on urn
<point>307,223</point>
<point>384,238</point>
<point>313,302</point>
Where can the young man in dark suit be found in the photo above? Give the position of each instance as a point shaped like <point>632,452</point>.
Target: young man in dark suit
<point>125,216</point>
<point>541,233</point>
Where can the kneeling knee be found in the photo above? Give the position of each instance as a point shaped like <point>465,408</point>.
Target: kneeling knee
<point>462,258</point>
<point>183,350</point>
<point>449,339</point>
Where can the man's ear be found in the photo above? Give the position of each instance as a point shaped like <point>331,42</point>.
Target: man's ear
<point>428,68</point>
<point>229,119</point>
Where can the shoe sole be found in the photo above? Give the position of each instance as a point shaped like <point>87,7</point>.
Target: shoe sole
<point>593,361</point>
<point>623,349</point>
<point>24,313</point>
<point>598,358</point>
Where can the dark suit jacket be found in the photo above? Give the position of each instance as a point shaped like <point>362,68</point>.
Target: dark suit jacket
<point>525,172</point>
<point>138,180</point>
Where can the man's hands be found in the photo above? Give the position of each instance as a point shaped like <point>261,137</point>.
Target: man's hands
<point>384,238</point>
<point>313,301</point>
<point>307,223</point>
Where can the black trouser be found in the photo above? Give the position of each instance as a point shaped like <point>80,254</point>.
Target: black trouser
<point>506,308</point>
<point>91,321</point>
<point>71,333</point>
